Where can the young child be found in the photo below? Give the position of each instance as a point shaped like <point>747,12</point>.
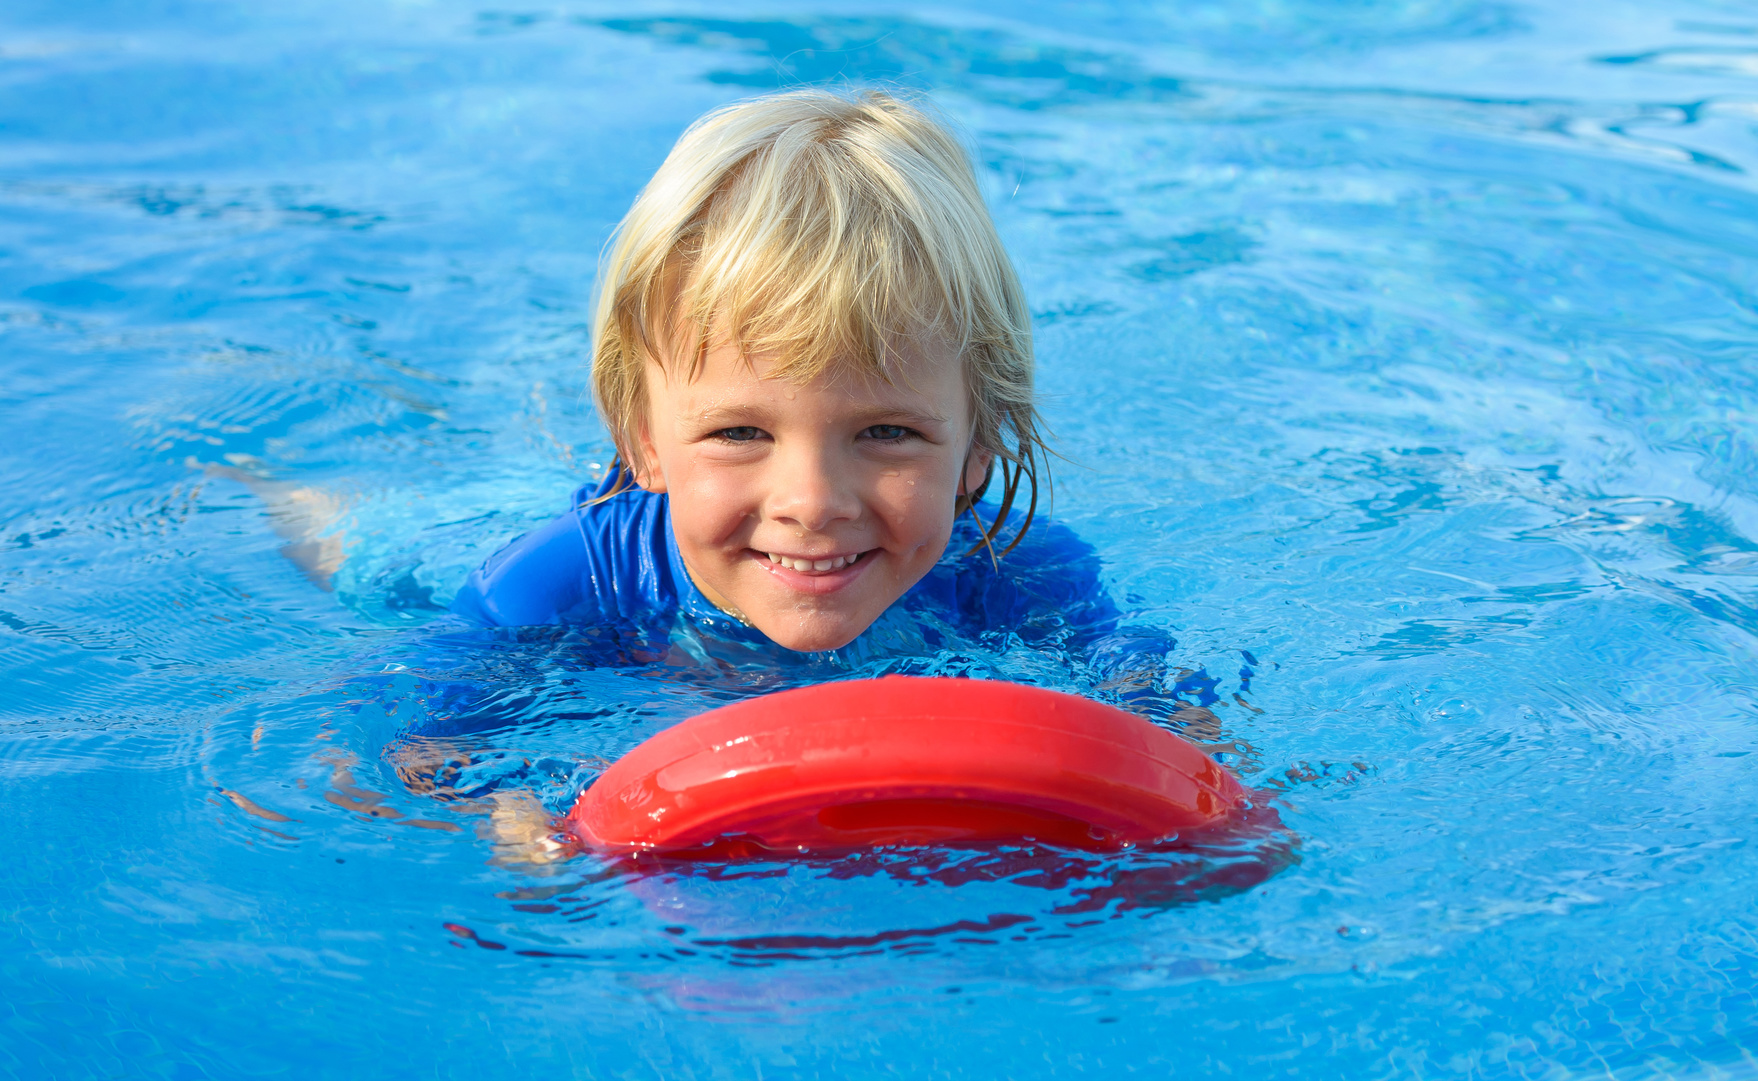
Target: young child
<point>815,360</point>
<point>814,357</point>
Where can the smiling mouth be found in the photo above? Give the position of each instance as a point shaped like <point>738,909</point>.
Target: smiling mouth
<point>826,565</point>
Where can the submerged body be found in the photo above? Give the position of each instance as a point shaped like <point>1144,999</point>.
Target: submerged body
<point>609,575</point>
<point>613,563</point>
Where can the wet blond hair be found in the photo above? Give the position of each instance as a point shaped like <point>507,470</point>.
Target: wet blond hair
<point>821,228</point>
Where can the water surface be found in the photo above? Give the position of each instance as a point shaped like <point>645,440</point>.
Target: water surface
<point>1402,355</point>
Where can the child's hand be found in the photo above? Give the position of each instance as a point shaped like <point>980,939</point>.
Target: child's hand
<point>522,831</point>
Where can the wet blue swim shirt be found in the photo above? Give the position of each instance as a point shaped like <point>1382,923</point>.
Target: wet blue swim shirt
<point>616,561</point>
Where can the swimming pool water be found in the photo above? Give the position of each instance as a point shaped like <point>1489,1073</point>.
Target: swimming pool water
<point>1403,355</point>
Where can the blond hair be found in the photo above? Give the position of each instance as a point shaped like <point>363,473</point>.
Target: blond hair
<point>820,228</point>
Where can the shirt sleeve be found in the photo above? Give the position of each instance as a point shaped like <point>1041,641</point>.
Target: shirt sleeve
<point>1046,590</point>
<point>599,561</point>
<point>533,580</point>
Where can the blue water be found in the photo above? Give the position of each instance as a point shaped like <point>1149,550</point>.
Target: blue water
<point>1402,352</point>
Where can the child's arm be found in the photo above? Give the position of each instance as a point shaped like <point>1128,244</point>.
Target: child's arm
<point>533,580</point>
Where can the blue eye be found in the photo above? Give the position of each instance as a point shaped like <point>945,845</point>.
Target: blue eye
<point>742,434</point>
<point>886,433</point>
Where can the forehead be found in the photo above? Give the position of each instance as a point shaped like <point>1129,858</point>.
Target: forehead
<point>919,374</point>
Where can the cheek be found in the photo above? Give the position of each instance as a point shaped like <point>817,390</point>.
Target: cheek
<point>917,504</point>
<point>709,507</point>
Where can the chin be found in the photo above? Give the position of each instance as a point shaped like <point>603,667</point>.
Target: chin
<point>813,636</point>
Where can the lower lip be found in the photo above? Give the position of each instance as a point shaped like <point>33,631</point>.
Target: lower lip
<point>817,582</point>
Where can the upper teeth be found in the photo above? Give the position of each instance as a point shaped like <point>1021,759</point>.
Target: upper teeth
<point>834,563</point>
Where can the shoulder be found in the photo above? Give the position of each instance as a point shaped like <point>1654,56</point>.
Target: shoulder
<point>597,560</point>
<point>1049,581</point>
<point>628,524</point>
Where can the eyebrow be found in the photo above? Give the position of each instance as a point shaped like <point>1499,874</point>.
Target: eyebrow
<point>722,414</point>
<point>875,416</point>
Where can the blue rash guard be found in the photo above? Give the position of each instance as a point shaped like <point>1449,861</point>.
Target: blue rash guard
<point>611,566</point>
<point>616,561</point>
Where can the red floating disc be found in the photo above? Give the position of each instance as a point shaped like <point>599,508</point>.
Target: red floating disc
<point>903,760</point>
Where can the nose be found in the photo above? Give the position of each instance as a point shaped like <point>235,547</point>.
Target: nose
<point>810,489</point>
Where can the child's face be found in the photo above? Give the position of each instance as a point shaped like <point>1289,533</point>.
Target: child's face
<point>807,509</point>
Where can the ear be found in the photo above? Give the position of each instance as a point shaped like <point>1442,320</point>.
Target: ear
<point>647,476</point>
<point>976,470</point>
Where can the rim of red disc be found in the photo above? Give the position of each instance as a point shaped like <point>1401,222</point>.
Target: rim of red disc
<point>904,760</point>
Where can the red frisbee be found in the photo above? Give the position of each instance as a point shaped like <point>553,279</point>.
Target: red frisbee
<point>903,760</point>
